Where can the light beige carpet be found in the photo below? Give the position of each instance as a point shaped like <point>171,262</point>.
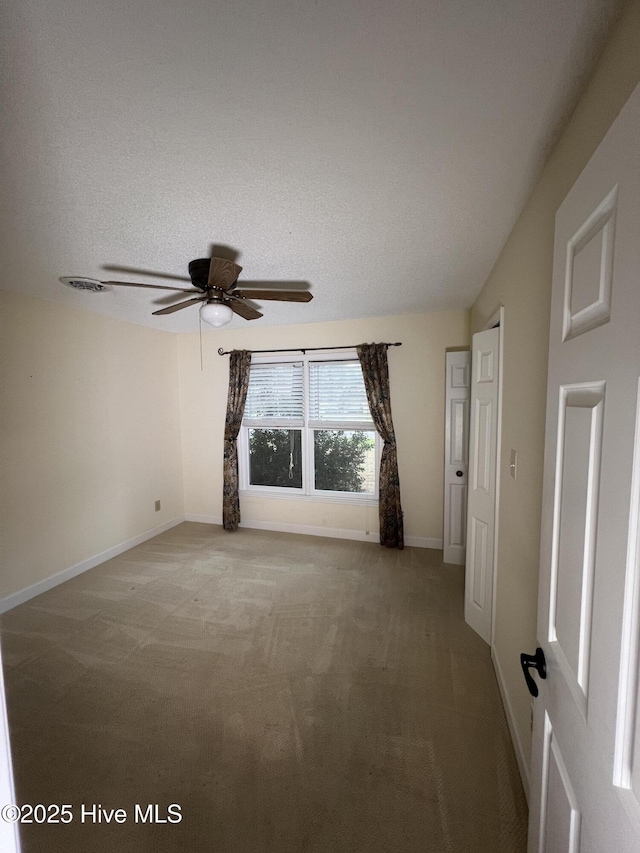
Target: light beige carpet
<point>291,694</point>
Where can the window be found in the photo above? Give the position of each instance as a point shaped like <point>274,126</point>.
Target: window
<point>307,429</point>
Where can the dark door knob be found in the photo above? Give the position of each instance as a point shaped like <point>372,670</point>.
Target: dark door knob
<point>458,473</point>
<point>536,661</point>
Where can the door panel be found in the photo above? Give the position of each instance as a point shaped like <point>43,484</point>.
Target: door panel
<point>560,815</point>
<point>485,361</point>
<point>627,747</point>
<point>479,550</point>
<point>457,517</point>
<point>584,758</point>
<point>588,277</point>
<point>483,445</point>
<point>580,431</point>
<point>459,410</point>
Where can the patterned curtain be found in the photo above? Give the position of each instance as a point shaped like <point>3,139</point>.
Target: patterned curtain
<point>239,363</point>
<point>375,370</point>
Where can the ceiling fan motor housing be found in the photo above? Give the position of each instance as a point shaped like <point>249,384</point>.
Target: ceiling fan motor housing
<point>199,272</point>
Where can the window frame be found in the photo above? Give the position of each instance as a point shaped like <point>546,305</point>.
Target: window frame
<point>308,492</point>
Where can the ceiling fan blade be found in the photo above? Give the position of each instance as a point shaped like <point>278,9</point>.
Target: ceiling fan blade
<point>179,306</point>
<point>244,310</point>
<point>223,273</point>
<point>152,286</point>
<point>150,273</point>
<point>171,298</point>
<point>274,284</point>
<point>277,295</point>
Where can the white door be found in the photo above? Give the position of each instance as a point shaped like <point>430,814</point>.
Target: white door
<point>456,453</point>
<point>585,792</point>
<point>9,838</point>
<point>481,507</point>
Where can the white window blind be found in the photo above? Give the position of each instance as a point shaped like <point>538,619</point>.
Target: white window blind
<point>337,396</point>
<point>275,396</point>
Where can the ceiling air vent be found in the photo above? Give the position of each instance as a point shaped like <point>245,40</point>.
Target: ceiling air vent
<point>90,284</point>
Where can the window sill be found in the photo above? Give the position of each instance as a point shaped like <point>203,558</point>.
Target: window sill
<point>290,496</point>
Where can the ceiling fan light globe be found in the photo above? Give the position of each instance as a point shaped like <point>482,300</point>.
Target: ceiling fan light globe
<point>215,313</point>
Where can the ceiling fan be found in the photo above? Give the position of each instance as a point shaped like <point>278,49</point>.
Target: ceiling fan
<point>214,281</point>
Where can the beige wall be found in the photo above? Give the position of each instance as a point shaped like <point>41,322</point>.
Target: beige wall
<point>417,372</point>
<point>100,418</point>
<point>521,281</point>
<point>89,434</point>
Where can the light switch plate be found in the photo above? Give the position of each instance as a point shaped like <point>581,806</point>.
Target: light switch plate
<point>513,464</point>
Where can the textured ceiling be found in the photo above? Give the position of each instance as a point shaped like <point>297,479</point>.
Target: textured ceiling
<point>380,150</point>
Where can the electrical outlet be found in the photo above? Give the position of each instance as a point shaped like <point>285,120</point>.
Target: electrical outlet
<point>158,506</point>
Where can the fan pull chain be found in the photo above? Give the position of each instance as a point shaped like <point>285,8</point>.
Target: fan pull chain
<point>200,322</point>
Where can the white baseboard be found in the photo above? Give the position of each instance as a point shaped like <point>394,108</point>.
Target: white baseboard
<point>309,530</point>
<point>16,598</point>
<point>203,519</point>
<point>285,527</point>
<point>523,766</point>
<point>421,542</point>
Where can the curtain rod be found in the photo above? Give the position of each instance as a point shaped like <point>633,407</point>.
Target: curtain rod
<point>304,350</point>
